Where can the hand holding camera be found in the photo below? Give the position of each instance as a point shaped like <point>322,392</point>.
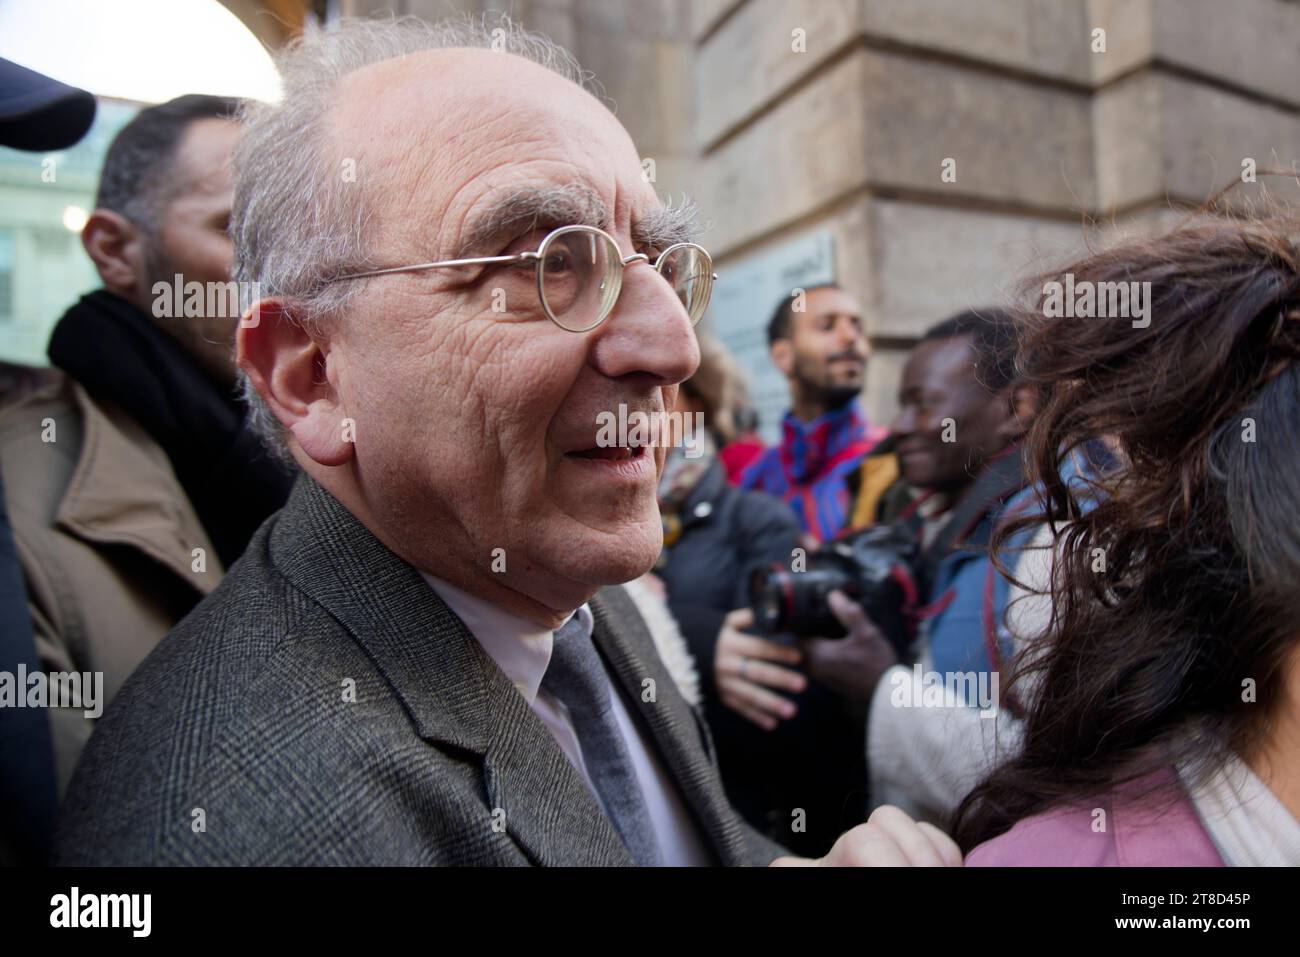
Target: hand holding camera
<point>874,567</point>
<point>851,665</point>
<point>750,670</point>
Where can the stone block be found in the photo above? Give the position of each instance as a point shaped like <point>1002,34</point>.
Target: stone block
<point>1164,138</point>
<point>1046,37</point>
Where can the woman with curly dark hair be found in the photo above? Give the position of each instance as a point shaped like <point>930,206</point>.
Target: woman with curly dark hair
<point>1162,704</point>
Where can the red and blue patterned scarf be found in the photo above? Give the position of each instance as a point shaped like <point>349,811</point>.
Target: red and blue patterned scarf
<point>809,468</point>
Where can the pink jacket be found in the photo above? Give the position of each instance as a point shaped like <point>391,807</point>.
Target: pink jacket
<point>1141,830</point>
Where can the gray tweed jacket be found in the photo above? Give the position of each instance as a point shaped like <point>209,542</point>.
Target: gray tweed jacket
<point>323,706</point>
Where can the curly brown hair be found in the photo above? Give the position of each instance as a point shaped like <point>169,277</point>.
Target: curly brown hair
<point>1143,662</point>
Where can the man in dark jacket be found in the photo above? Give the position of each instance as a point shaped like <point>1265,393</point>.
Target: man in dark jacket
<point>714,533</point>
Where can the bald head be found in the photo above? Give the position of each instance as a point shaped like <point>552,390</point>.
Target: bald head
<point>454,132</point>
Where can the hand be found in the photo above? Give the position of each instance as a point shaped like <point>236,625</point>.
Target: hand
<point>851,665</point>
<point>889,839</point>
<point>743,671</point>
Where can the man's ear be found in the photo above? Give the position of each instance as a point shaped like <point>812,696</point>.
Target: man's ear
<point>292,372</point>
<point>783,356</point>
<point>118,249</point>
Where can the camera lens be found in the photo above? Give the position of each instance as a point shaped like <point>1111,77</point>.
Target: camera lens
<point>786,601</point>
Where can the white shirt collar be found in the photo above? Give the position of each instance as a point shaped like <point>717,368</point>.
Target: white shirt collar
<point>1248,823</point>
<point>521,648</point>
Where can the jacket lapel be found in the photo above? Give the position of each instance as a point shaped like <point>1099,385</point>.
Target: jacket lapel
<point>456,696</point>
<point>620,633</point>
<point>548,808</point>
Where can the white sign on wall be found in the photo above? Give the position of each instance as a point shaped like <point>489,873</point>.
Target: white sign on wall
<point>744,298</point>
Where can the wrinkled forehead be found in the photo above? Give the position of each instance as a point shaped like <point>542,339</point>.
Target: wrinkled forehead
<point>437,136</point>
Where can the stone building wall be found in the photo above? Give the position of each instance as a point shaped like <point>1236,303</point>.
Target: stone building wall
<point>789,117</point>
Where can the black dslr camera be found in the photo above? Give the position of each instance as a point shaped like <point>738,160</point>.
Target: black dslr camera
<point>874,567</point>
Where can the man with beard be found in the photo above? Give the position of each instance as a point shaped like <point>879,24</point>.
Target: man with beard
<point>822,350</point>
<point>132,481</point>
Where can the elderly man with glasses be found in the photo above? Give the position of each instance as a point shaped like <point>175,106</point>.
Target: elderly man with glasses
<point>425,657</point>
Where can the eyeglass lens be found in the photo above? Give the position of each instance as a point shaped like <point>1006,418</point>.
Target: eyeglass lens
<point>580,273</point>
<point>690,272</point>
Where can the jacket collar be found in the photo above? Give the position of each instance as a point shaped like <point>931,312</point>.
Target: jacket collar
<point>521,648</point>
<point>122,357</point>
<point>979,508</point>
<point>123,492</point>
<point>458,698</point>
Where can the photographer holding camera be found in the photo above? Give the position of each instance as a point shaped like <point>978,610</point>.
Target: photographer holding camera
<point>956,436</point>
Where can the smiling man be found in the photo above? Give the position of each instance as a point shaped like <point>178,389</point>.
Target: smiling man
<point>424,657</point>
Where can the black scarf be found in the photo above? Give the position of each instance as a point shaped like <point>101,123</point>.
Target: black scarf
<point>118,354</point>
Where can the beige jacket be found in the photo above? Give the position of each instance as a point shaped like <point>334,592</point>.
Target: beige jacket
<point>106,538</point>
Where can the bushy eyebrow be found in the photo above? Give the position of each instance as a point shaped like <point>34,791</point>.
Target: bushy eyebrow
<point>528,209</point>
<point>573,205</point>
<point>676,222</point>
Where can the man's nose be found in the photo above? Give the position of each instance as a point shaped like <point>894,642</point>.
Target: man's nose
<point>648,333</point>
<point>849,333</point>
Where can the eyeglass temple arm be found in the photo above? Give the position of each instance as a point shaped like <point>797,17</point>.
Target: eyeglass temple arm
<point>480,261</point>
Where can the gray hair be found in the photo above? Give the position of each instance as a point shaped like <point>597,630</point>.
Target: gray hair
<point>295,222</point>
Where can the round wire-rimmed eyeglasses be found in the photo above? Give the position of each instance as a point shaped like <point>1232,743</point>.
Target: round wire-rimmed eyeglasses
<point>580,274</point>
